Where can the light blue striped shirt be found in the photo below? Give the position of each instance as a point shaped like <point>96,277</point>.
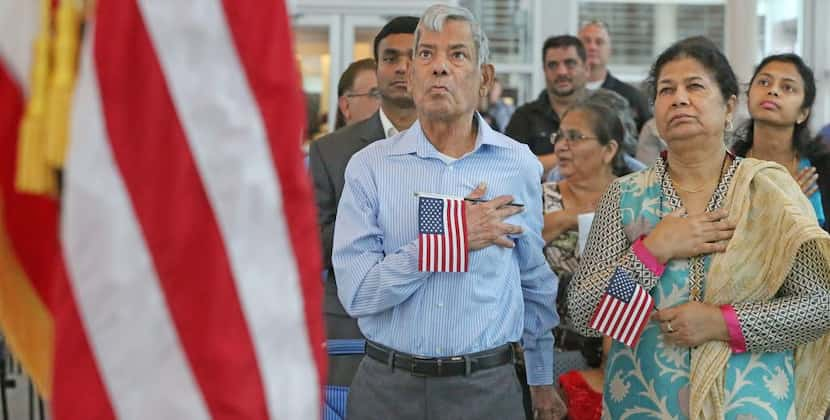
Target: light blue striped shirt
<point>508,294</point>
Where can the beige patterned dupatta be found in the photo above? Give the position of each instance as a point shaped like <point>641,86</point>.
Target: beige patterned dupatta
<point>774,219</point>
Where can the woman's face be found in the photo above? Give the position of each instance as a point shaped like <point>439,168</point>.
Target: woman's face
<point>776,95</point>
<point>689,103</point>
<point>578,150</point>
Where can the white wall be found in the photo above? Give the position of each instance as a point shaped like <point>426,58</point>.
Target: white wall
<point>816,53</point>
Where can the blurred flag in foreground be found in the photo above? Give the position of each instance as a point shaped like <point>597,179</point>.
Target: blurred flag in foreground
<point>187,281</point>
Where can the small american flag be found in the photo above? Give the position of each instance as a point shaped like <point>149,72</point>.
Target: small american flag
<point>624,309</point>
<point>442,234</point>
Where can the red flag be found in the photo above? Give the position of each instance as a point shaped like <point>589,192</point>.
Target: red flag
<point>187,224</point>
<point>29,247</point>
<point>623,310</point>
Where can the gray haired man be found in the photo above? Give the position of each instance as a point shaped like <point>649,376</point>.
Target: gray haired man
<point>441,345</point>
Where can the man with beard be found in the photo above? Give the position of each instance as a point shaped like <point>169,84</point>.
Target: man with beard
<point>329,155</point>
<point>566,75</point>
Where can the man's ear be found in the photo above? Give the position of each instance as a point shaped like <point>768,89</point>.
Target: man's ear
<point>488,78</point>
<point>410,74</point>
<point>343,106</point>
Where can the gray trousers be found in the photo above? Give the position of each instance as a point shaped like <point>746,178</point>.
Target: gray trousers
<point>379,392</point>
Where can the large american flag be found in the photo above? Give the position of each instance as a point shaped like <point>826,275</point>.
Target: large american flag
<point>623,311</point>
<point>442,238</point>
<point>188,283</point>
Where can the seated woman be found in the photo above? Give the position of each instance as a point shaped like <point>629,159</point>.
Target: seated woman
<point>730,251</point>
<point>587,146</point>
<point>781,94</point>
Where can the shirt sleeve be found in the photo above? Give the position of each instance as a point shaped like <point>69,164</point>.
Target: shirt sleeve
<point>369,281</point>
<point>607,248</point>
<point>799,314</point>
<point>539,287</point>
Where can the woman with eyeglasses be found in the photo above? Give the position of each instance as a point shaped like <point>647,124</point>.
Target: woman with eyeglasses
<point>587,146</point>
<point>780,96</point>
<point>731,254</point>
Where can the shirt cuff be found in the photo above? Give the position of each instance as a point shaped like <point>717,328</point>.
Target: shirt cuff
<point>736,336</point>
<point>539,362</point>
<point>647,258</point>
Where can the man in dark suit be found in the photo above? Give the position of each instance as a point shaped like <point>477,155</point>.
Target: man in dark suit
<point>329,155</point>
<point>594,35</point>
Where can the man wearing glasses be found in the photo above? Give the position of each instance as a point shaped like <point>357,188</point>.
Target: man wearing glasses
<point>329,155</point>
<point>358,93</point>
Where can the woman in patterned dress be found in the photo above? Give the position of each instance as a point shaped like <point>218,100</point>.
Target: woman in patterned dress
<point>738,271</point>
<point>587,147</point>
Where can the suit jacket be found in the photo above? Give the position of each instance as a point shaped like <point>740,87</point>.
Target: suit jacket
<point>328,157</point>
<point>639,105</point>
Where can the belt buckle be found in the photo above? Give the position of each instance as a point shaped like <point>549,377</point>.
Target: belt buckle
<point>413,363</point>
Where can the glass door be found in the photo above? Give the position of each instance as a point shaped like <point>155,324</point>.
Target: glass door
<point>317,48</point>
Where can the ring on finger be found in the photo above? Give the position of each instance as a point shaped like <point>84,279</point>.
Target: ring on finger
<point>668,327</point>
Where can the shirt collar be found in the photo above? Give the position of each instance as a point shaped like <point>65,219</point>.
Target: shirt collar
<point>415,141</point>
<point>389,129</point>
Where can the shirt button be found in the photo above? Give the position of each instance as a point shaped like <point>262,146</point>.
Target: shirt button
<point>451,167</point>
<point>440,304</point>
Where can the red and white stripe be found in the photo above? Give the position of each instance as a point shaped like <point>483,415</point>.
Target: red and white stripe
<point>446,252</point>
<point>187,213</point>
<point>623,322</point>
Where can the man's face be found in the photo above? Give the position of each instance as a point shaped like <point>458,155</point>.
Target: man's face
<point>597,45</point>
<point>394,59</point>
<point>362,99</point>
<point>446,79</point>
<point>565,72</point>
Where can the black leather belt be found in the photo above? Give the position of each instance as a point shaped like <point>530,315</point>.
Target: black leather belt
<point>441,366</point>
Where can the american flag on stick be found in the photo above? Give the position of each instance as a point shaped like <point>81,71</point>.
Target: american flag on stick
<point>623,311</point>
<point>442,234</point>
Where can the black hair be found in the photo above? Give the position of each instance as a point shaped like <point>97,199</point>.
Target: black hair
<point>804,145</point>
<point>398,25</point>
<point>346,83</point>
<point>591,350</point>
<point>704,51</point>
<point>564,41</point>
<point>607,126</point>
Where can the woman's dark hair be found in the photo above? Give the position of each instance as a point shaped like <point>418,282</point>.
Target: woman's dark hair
<point>607,126</point>
<point>707,54</point>
<point>805,145</point>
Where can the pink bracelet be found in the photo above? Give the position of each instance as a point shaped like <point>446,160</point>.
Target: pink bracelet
<point>647,258</point>
<point>736,336</point>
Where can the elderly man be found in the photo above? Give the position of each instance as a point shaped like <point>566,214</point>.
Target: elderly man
<point>440,344</point>
<point>594,35</point>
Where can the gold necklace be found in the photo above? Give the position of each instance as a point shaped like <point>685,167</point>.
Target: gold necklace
<point>705,184</point>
